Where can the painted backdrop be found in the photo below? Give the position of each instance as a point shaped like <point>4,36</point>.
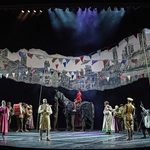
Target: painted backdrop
<point>104,69</point>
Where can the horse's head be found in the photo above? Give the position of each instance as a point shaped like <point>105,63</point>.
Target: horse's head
<point>62,99</point>
<point>59,95</point>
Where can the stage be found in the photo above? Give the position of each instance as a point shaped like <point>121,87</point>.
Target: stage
<point>73,140</point>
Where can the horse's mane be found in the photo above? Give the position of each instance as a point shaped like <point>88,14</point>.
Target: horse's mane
<point>63,98</point>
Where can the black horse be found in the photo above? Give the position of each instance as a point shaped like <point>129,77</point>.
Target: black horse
<point>85,109</point>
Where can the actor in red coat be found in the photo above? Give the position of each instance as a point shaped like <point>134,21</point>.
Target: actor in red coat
<point>78,99</point>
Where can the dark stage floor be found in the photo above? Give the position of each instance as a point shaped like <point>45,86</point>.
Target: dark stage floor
<point>73,140</point>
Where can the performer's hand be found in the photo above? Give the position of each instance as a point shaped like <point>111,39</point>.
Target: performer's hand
<point>141,105</point>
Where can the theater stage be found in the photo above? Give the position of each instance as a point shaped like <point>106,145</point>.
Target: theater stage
<point>73,140</point>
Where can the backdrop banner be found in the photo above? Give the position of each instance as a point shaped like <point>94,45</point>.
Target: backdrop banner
<point>122,64</point>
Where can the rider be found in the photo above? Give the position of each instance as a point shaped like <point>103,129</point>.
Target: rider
<point>78,99</point>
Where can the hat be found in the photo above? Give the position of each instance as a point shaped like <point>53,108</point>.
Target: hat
<point>106,102</point>
<point>116,107</point>
<point>130,99</point>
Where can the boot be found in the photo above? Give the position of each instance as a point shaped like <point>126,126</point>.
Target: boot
<point>131,135</point>
<point>144,134</point>
<point>128,135</point>
<point>47,139</point>
<point>26,129</point>
<point>47,133</point>
<point>40,138</point>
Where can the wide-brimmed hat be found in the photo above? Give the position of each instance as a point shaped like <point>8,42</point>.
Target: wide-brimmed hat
<point>129,99</point>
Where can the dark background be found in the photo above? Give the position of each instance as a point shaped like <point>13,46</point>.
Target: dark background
<point>38,33</point>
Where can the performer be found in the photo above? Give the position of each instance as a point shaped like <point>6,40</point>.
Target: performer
<point>135,119</point>
<point>145,124</point>
<point>28,117</point>
<point>19,113</point>
<point>30,122</point>
<point>45,111</point>
<point>10,114</point>
<point>116,117</point>
<point>122,117</point>
<point>107,120</point>
<point>4,118</point>
<point>129,115</point>
<point>78,99</point>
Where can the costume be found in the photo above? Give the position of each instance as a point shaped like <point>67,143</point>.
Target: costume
<point>145,124</point>
<point>45,111</point>
<point>107,120</point>
<point>78,96</point>
<point>122,117</point>
<point>78,99</point>
<point>19,112</point>
<point>129,121</point>
<point>29,118</point>
<point>116,119</point>
<point>10,114</point>
<point>4,120</point>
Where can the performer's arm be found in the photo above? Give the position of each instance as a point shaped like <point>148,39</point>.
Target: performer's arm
<point>49,110</point>
<point>40,110</point>
<point>143,108</point>
<point>134,111</point>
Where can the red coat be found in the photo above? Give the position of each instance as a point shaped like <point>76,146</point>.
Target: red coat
<point>78,96</point>
<point>4,120</point>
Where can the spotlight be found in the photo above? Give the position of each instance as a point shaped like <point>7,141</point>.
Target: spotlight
<point>28,11</point>
<point>34,11</point>
<point>40,11</point>
<point>22,11</point>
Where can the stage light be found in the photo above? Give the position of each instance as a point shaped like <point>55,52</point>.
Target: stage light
<point>39,13</point>
<point>21,14</point>
<point>33,13</point>
<point>28,11</point>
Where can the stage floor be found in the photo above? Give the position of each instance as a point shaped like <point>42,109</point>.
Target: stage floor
<point>73,140</point>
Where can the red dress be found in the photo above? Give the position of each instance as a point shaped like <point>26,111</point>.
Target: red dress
<point>4,120</point>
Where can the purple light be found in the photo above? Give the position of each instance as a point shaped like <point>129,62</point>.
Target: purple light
<point>86,24</point>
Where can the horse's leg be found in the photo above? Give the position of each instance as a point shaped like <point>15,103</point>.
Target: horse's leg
<point>55,121</point>
<point>72,121</point>
<point>67,122</point>
<point>83,124</point>
<point>91,117</point>
<point>55,118</point>
<point>92,123</point>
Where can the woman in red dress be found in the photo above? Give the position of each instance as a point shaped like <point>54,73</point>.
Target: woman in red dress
<point>4,118</point>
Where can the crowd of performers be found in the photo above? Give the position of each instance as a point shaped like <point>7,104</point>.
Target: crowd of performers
<point>22,114</point>
<point>125,118</point>
<point>120,118</point>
